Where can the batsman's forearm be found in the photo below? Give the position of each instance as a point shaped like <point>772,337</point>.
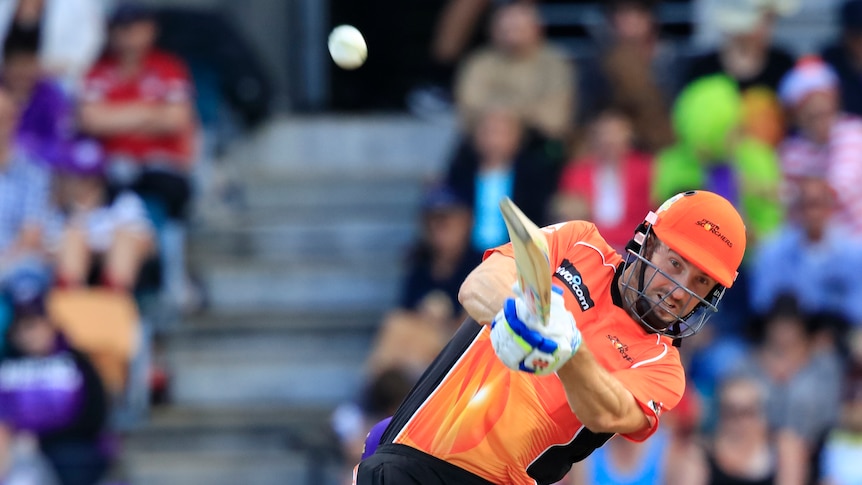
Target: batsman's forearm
<point>597,398</point>
<point>486,288</point>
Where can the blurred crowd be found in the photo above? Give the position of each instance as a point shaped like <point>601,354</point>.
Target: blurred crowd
<point>102,130</point>
<point>775,378</point>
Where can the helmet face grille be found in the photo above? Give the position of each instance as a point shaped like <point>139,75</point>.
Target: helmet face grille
<point>656,315</point>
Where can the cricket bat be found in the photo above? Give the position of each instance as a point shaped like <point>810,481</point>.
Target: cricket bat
<point>531,259</point>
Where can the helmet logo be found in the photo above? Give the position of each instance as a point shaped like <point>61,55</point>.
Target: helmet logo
<point>714,229</point>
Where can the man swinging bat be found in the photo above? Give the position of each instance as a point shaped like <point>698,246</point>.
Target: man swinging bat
<point>516,400</point>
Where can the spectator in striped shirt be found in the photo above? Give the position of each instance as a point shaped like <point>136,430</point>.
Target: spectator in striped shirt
<point>826,141</point>
<point>24,199</point>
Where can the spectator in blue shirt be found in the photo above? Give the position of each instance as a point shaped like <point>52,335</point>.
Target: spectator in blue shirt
<point>811,258</point>
<point>24,199</point>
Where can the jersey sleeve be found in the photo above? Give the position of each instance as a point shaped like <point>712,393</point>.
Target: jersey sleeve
<point>560,236</point>
<point>657,384</point>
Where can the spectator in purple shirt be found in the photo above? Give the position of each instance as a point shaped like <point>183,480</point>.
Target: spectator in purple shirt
<point>49,388</point>
<point>45,127</point>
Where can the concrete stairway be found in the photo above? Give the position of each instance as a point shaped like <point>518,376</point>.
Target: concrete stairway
<point>296,282</point>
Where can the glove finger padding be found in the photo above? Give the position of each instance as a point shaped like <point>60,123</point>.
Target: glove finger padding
<point>521,342</point>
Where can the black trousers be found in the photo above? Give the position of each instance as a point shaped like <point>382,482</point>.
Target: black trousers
<point>394,464</point>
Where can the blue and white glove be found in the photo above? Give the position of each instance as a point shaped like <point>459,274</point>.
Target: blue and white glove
<point>522,343</point>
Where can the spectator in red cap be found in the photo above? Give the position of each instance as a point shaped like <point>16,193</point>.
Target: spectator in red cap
<point>827,141</point>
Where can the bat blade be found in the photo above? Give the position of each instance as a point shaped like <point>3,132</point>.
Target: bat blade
<point>531,259</point>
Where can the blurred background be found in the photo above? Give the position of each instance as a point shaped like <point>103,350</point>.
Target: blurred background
<point>223,258</point>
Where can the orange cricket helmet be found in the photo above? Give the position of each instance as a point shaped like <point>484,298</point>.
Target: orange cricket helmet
<point>705,229</point>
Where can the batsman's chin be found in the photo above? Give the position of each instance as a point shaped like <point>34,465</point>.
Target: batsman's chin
<point>655,313</point>
<point>665,314</point>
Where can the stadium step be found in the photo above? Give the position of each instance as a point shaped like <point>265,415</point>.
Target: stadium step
<point>301,240</point>
<point>270,363</point>
<point>356,238</point>
<point>338,145</point>
<point>225,446</point>
<point>251,285</point>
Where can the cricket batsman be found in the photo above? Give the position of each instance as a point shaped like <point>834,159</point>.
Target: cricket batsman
<point>512,400</point>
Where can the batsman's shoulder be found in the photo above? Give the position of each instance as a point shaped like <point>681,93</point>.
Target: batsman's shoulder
<point>573,227</point>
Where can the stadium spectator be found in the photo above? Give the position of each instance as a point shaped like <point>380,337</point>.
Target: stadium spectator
<point>53,390</point>
<point>814,241</point>
<point>137,101</point>
<point>802,380</point>
<point>407,341</point>
<point>69,34</point>
<point>621,461</point>
<point>668,458</point>
<point>610,186</point>
<point>24,202</point>
<point>742,449</point>
<point>47,116</point>
<point>443,257</point>
<point>521,71</point>
<point>429,312</point>
<point>842,449</point>
<point>826,142</point>
<point>456,26</point>
<point>99,235</point>
<point>379,398</point>
<point>746,54</point>
<point>456,29</point>
<point>635,69</point>
<point>497,163</point>
<point>845,56</point>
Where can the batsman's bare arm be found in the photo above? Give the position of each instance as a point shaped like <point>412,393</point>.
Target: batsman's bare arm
<point>486,288</point>
<point>596,397</point>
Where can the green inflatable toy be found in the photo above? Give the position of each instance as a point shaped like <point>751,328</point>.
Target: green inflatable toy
<point>706,117</point>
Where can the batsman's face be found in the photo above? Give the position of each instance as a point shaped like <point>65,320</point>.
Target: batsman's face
<point>672,283</point>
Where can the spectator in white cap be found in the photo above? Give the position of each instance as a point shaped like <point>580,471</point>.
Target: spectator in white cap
<point>747,54</point>
<point>745,51</point>
<point>826,141</point>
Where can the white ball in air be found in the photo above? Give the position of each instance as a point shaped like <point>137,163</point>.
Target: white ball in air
<point>347,47</point>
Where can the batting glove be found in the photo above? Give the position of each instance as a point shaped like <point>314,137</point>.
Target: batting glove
<point>522,343</point>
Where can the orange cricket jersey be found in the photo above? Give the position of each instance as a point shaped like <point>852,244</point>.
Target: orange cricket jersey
<point>511,427</point>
